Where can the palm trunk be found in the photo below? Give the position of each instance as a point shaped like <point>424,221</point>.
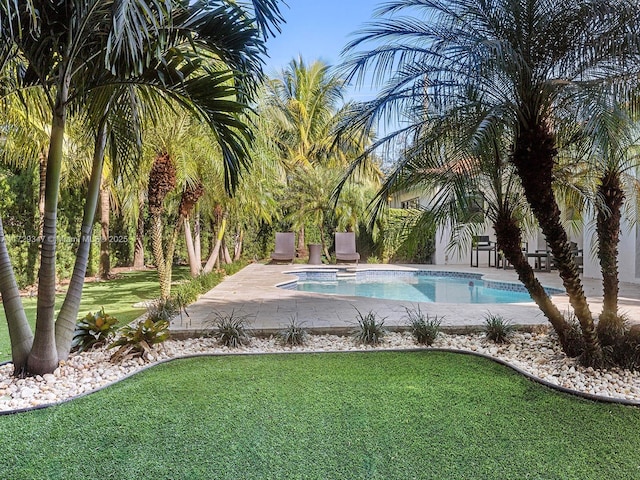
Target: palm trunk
<point>225,253</point>
<point>196,240</point>
<point>19,329</point>
<point>41,190</point>
<point>44,357</point>
<point>301,242</point>
<point>509,237</point>
<point>138,250</point>
<point>67,318</point>
<point>533,157</point>
<point>610,325</point>
<point>105,209</point>
<point>237,249</point>
<point>158,256</point>
<point>213,258</point>
<point>194,268</point>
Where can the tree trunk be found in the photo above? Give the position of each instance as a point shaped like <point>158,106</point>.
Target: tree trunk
<point>302,247</point>
<point>194,268</point>
<point>19,329</point>
<point>44,357</point>
<point>237,249</point>
<point>41,190</point>
<point>610,325</point>
<point>533,157</point>
<point>67,318</point>
<point>225,251</point>
<point>138,250</point>
<point>213,258</point>
<point>104,269</point>
<point>196,240</point>
<point>158,256</point>
<point>509,238</point>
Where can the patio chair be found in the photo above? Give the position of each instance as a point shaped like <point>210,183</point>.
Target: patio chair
<point>346,247</point>
<point>285,249</point>
<point>481,243</point>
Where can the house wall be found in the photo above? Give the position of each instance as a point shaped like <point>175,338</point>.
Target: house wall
<point>628,253</point>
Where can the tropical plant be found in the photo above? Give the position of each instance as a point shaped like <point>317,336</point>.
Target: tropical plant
<point>139,340</point>
<point>76,66</point>
<point>423,328</point>
<point>370,329</point>
<point>300,112</point>
<point>94,330</point>
<point>525,70</point>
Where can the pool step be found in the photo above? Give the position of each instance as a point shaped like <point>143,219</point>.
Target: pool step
<point>346,275</point>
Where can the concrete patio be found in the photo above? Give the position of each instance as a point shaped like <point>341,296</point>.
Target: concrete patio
<point>253,293</point>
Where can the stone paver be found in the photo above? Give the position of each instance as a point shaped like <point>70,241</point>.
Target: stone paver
<point>253,292</point>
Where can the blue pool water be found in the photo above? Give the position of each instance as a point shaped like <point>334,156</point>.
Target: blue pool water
<point>416,288</point>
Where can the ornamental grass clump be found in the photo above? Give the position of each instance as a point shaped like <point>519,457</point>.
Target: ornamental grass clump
<point>497,329</point>
<point>424,329</point>
<point>370,329</point>
<point>293,334</point>
<point>231,330</point>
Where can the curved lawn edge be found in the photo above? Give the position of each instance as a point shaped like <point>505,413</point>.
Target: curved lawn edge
<point>540,381</point>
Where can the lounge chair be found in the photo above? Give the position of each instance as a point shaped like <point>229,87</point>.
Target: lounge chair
<point>481,243</point>
<point>346,247</point>
<point>285,249</point>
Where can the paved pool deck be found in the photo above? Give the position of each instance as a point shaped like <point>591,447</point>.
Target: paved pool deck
<point>253,292</point>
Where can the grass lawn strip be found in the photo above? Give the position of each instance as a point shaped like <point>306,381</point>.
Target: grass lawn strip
<point>375,415</point>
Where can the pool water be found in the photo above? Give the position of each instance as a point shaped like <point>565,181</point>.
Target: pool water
<point>419,288</point>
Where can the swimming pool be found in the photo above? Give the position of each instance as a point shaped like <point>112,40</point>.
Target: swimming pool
<point>416,286</point>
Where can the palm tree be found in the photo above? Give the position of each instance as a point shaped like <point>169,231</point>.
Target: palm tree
<point>65,47</point>
<point>528,64</point>
<point>301,111</point>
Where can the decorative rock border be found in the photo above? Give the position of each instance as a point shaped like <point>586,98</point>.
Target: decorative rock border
<point>534,355</point>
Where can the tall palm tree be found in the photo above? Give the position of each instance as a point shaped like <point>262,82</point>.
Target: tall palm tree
<point>301,111</point>
<point>70,48</point>
<point>528,62</point>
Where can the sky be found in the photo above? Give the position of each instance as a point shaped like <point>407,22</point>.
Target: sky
<point>318,29</point>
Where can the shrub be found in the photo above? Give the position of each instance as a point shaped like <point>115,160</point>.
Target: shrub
<point>231,331</point>
<point>163,310</point>
<point>293,334</point>
<point>424,328</point>
<point>138,340</point>
<point>497,329</point>
<point>93,330</point>
<point>373,259</point>
<point>370,330</point>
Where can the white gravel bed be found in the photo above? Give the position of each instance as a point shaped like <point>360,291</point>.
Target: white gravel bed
<point>535,353</point>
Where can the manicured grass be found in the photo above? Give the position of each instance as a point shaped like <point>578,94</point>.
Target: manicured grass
<point>382,415</point>
<point>116,296</point>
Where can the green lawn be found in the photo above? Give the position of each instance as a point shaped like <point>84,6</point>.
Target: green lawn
<point>116,296</point>
<point>381,415</point>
